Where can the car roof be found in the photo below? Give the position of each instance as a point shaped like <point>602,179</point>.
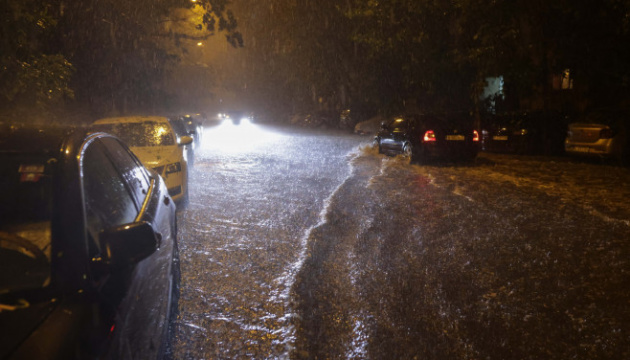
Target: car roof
<point>131,119</point>
<point>34,140</point>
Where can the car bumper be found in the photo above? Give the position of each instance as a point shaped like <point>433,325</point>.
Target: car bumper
<point>601,148</point>
<point>451,150</point>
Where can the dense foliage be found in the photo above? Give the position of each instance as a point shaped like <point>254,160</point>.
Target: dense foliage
<point>438,54</point>
<point>112,55</point>
<point>308,55</point>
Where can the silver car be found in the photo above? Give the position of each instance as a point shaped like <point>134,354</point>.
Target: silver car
<point>600,134</point>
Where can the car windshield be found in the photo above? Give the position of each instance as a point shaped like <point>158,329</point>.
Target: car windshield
<point>179,127</point>
<point>397,123</point>
<point>140,134</point>
<point>25,214</point>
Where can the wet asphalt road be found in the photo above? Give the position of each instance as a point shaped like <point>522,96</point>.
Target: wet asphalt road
<point>308,244</point>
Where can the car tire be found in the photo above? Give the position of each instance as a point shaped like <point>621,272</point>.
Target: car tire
<point>408,152</point>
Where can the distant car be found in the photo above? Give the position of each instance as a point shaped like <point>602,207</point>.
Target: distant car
<point>508,133</point>
<point>88,249</point>
<point>346,120</point>
<point>194,125</point>
<point>155,143</point>
<point>316,119</point>
<point>179,124</point>
<point>423,137</point>
<point>238,116</point>
<point>529,133</point>
<point>370,126</point>
<point>602,134</point>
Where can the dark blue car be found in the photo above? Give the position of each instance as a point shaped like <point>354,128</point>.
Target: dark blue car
<point>424,137</point>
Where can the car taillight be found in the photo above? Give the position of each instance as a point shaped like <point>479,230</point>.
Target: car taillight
<point>605,134</point>
<point>429,136</point>
<point>475,135</point>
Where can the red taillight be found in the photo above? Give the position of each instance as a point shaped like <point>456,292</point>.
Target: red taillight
<point>475,135</point>
<point>605,134</point>
<point>429,136</point>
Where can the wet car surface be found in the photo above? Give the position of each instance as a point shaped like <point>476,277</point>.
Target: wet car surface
<point>424,137</point>
<point>154,141</point>
<point>88,246</point>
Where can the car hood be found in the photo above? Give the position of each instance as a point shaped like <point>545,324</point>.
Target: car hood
<point>19,320</point>
<point>153,156</point>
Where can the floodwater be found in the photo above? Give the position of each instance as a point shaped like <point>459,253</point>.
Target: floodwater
<point>304,243</point>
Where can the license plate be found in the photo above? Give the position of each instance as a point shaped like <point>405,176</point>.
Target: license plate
<point>500,138</point>
<point>455,137</point>
<point>581,149</point>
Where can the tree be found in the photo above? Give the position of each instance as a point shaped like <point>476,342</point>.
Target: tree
<point>28,74</point>
<point>123,49</point>
<point>112,54</point>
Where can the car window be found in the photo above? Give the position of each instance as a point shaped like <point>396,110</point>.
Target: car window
<point>129,167</point>
<point>146,133</point>
<point>179,126</point>
<point>398,124</point>
<point>107,200</point>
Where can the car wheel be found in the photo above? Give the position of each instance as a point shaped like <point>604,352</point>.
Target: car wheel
<point>408,151</point>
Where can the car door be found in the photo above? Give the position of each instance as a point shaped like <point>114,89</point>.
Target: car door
<point>149,295</point>
<point>118,190</point>
<point>400,128</point>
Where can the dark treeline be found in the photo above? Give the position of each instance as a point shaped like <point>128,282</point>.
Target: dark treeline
<point>102,56</point>
<point>112,56</point>
<point>438,54</point>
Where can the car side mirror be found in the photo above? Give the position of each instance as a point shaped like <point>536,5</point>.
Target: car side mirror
<point>129,244</point>
<point>185,140</point>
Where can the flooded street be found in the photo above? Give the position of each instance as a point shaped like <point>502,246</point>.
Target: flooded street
<point>309,244</point>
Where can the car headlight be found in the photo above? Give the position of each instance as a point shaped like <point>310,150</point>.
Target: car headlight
<point>173,168</point>
<point>159,170</point>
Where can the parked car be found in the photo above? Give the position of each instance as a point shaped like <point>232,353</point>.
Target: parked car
<point>602,134</point>
<point>155,143</point>
<point>181,129</point>
<point>194,125</point>
<point>422,137</point>
<point>88,249</point>
<point>534,132</point>
<point>370,126</point>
